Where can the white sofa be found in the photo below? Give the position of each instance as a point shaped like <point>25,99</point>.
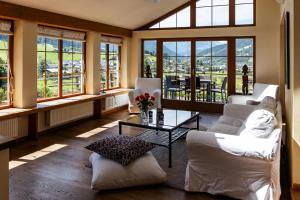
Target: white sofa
<point>260,91</point>
<point>240,166</point>
<point>142,85</point>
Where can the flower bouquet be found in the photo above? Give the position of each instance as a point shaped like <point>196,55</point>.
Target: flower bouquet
<point>145,102</point>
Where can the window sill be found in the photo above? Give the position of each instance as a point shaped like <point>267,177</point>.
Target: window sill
<point>49,105</point>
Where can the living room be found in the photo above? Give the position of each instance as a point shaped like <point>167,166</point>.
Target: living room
<point>152,99</point>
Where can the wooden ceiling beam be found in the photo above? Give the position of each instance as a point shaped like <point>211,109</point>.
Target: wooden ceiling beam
<point>13,11</point>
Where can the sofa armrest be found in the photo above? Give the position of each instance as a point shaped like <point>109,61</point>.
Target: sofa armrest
<point>255,148</point>
<point>132,94</point>
<point>238,111</point>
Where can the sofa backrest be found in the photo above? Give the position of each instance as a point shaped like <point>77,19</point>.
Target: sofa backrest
<point>148,84</point>
<point>262,90</point>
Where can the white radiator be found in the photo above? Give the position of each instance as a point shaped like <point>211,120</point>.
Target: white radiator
<point>15,127</point>
<point>115,101</point>
<point>67,114</point>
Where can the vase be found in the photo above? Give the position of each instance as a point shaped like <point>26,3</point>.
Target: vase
<point>144,115</point>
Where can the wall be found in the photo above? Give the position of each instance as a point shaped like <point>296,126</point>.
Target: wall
<point>267,32</point>
<point>4,174</point>
<point>292,96</point>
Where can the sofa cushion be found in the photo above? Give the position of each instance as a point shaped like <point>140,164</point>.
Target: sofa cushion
<point>122,149</point>
<point>224,128</point>
<point>230,121</point>
<point>108,174</point>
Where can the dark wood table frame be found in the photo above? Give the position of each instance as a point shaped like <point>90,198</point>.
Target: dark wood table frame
<point>159,128</point>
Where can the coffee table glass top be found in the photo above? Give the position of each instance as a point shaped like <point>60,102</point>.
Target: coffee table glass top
<point>172,119</point>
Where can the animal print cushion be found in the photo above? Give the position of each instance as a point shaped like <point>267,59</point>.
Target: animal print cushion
<point>122,149</point>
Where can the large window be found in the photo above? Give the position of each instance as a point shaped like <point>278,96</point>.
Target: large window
<point>244,56</point>
<point>212,13</point>
<point>207,13</point>
<point>179,19</point>
<point>110,65</point>
<point>149,58</point>
<point>4,70</point>
<point>60,65</point>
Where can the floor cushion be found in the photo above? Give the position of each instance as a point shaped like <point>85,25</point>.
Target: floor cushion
<point>108,174</point>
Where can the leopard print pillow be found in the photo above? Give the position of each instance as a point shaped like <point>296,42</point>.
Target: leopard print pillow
<point>122,149</point>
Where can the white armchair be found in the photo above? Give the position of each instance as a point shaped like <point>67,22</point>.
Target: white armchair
<point>142,85</point>
<point>260,91</point>
<point>232,165</point>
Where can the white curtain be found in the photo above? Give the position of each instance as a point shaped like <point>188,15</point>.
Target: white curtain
<point>6,27</point>
<point>61,33</point>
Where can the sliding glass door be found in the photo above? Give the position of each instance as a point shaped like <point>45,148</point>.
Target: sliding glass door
<point>176,70</point>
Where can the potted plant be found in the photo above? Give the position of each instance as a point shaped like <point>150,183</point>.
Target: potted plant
<point>145,102</point>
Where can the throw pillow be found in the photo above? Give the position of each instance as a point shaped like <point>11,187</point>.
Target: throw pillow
<point>122,149</point>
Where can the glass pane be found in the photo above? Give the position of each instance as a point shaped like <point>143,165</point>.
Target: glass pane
<point>113,48</point>
<point>52,59</point>
<point>220,15</point>
<point>67,84</point>
<point>244,47</point>
<point>220,2</point>
<point>155,26</point>
<point>67,46</point>
<point>3,91</point>
<point>102,47</point>
<point>203,48</point>
<point>219,48</point>
<point>201,3</point>
<point>168,22</point>
<point>4,56</point>
<point>203,16</point>
<point>183,48</point>
<point>41,43</point>
<point>52,84</point>
<point>183,18</point>
<point>243,1</point>
<point>77,46</point>
<point>244,14</point>
<point>150,58</point>
<point>51,44</point>
<point>169,48</point>
<point>77,82</point>
<point>203,65</point>
<point>4,41</point>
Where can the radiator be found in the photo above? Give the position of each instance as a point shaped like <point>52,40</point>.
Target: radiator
<point>115,101</point>
<point>67,114</point>
<point>16,127</point>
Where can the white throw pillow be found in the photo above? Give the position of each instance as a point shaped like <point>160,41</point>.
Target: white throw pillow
<point>108,174</point>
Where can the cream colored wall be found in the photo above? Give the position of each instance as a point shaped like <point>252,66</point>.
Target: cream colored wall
<point>267,32</point>
<point>292,96</point>
<point>4,174</point>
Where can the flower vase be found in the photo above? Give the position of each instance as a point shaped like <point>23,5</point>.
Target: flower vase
<point>144,116</point>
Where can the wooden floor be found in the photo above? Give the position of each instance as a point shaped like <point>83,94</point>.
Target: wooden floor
<point>54,167</point>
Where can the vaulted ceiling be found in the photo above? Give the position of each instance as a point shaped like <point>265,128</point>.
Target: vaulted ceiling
<point>129,14</point>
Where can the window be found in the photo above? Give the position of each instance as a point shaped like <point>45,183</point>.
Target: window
<point>72,69</point>
<point>211,68</point>
<point>4,70</point>
<point>208,13</point>
<point>179,19</point>
<point>244,12</point>
<point>244,56</point>
<point>149,58</point>
<point>110,65</point>
<point>212,13</point>
<point>60,63</point>
<point>47,68</point>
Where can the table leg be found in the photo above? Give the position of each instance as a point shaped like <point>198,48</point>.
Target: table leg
<point>170,149</point>
<point>198,119</point>
<point>120,128</point>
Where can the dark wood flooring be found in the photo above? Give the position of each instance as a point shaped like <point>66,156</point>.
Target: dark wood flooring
<point>54,167</point>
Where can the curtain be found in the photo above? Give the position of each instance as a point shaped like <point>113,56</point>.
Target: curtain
<point>61,33</point>
<point>6,27</point>
<point>111,40</point>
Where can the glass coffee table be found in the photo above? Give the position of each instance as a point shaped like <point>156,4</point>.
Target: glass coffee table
<point>164,133</point>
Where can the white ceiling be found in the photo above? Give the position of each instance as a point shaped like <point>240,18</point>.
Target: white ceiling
<point>129,14</point>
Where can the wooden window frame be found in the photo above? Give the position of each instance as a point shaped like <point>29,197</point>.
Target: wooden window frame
<point>192,4</point>
<point>60,74</point>
<point>230,71</point>
<point>107,67</point>
<point>10,65</point>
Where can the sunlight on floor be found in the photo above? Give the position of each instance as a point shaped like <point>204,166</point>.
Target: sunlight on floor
<point>91,132</point>
<point>15,163</point>
<point>98,130</point>
<point>43,152</point>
